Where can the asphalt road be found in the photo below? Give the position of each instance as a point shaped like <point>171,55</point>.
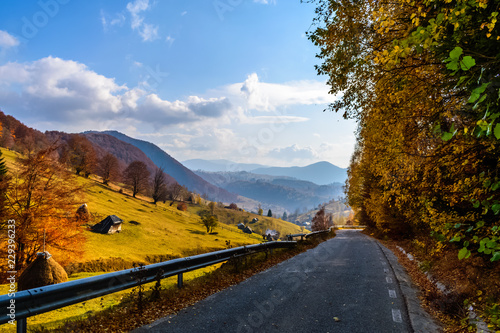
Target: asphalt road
<point>350,283</point>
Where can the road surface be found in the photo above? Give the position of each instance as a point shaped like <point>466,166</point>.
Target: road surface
<point>350,283</point>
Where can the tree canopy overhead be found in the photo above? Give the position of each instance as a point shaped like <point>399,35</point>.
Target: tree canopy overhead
<point>421,78</point>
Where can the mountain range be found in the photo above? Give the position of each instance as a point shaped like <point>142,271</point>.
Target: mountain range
<point>282,191</point>
<point>321,173</point>
<point>220,165</point>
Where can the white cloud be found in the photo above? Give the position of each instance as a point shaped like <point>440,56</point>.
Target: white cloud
<point>294,153</point>
<point>170,40</point>
<point>64,91</point>
<point>265,2</point>
<point>108,21</point>
<point>162,113</point>
<point>279,119</point>
<point>263,96</point>
<point>148,32</point>
<point>135,8</point>
<point>7,41</point>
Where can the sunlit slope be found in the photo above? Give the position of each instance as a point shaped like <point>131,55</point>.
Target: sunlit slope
<point>161,229</point>
<point>152,230</point>
<point>165,230</point>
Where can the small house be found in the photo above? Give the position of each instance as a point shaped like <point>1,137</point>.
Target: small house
<point>109,225</point>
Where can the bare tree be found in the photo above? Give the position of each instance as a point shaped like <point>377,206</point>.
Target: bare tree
<point>109,168</point>
<point>136,175</point>
<point>159,186</point>
<point>320,221</point>
<point>177,192</point>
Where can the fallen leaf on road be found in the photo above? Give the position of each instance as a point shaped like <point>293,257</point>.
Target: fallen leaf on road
<point>336,319</point>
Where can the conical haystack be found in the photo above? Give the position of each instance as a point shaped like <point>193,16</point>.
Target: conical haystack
<point>82,214</point>
<point>42,272</point>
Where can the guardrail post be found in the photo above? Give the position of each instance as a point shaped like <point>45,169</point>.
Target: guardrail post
<point>21,325</point>
<point>180,282</point>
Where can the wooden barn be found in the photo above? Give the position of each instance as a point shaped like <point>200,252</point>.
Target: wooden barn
<point>109,225</point>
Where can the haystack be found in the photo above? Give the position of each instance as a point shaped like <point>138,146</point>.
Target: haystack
<point>82,214</point>
<point>42,272</point>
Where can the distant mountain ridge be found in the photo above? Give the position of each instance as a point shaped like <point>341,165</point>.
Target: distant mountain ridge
<point>174,168</point>
<point>220,165</point>
<point>321,173</point>
<point>286,192</point>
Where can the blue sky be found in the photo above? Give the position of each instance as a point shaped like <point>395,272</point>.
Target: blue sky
<point>210,79</point>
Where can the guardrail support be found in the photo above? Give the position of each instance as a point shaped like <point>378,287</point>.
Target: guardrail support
<point>180,282</point>
<point>22,325</point>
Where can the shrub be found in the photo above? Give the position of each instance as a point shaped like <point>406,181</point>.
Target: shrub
<point>182,206</point>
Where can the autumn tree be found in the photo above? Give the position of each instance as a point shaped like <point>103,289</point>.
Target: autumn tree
<point>109,168</point>
<point>211,207</point>
<point>41,195</point>
<point>136,175</point>
<point>81,155</point>
<point>320,221</point>
<point>421,80</point>
<point>159,186</point>
<point>209,220</point>
<point>233,206</point>
<point>4,185</point>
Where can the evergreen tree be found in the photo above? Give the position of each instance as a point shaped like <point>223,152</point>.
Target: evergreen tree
<point>269,213</point>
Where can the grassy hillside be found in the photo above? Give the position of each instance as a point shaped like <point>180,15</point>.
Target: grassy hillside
<point>158,230</point>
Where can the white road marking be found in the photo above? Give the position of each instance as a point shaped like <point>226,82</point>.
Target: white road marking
<point>392,293</point>
<point>388,279</point>
<point>396,316</point>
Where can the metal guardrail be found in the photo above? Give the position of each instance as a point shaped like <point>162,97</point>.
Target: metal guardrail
<point>44,299</point>
<point>311,234</point>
